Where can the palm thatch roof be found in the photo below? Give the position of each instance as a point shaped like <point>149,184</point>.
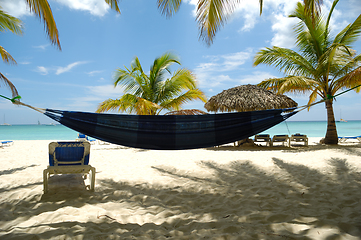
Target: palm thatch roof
<point>248,98</point>
<point>187,112</point>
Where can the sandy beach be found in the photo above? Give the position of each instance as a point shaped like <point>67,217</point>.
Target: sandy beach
<point>216,193</point>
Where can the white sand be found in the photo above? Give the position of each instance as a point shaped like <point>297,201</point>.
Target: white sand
<point>220,193</point>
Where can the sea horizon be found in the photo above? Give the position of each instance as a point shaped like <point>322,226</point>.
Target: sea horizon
<point>60,132</point>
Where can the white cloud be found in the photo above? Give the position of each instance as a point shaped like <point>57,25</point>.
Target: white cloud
<point>95,7</point>
<point>275,10</point>
<point>95,95</point>
<point>43,47</point>
<point>105,91</point>
<point>61,70</point>
<point>233,61</point>
<point>255,78</point>
<point>42,70</point>
<point>212,73</point>
<point>58,70</point>
<point>19,8</point>
<point>283,27</point>
<point>92,73</point>
<point>355,8</point>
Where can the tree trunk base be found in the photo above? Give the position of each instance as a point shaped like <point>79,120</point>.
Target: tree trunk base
<point>329,141</point>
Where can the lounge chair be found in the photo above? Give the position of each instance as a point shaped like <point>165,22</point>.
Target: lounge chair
<point>83,137</point>
<point>6,143</point>
<point>69,158</point>
<point>344,139</point>
<point>299,138</point>
<point>281,139</point>
<point>263,138</point>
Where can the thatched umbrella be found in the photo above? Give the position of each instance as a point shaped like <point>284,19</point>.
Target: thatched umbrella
<point>247,98</point>
<point>187,112</point>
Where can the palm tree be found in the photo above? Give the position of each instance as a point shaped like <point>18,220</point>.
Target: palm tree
<point>42,9</point>
<point>13,24</point>
<point>323,66</point>
<point>213,14</point>
<point>149,94</point>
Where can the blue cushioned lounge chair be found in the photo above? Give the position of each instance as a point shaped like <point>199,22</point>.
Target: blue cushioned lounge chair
<point>69,158</point>
<point>6,143</point>
<point>83,137</point>
<point>344,139</point>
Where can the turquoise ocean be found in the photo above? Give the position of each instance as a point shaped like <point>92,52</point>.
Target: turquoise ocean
<point>60,132</point>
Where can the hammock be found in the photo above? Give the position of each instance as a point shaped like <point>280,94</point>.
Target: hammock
<point>170,132</point>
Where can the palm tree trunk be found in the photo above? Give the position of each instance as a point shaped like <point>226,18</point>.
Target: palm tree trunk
<point>331,134</point>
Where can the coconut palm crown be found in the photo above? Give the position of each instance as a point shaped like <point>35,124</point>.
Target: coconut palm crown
<point>322,66</point>
<point>213,14</point>
<point>149,94</point>
<point>14,25</point>
<point>41,9</point>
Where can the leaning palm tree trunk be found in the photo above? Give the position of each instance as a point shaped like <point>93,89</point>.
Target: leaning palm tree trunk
<point>331,133</point>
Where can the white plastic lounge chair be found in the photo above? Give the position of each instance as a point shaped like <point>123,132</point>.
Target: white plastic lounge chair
<point>299,138</point>
<point>281,139</point>
<point>69,158</point>
<point>344,139</point>
<point>263,138</point>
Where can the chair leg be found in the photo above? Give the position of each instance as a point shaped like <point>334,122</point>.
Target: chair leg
<point>92,178</point>
<point>45,180</point>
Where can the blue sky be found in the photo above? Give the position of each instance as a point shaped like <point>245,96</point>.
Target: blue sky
<point>96,41</point>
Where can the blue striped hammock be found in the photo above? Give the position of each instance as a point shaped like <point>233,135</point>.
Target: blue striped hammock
<point>171,132</point>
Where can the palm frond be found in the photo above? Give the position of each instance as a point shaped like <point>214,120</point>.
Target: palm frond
<point>42,9</point>
<point>212,15</point>
<point>113,5</point>
<point>182,80</point>
<point>169,7</point>
<point>8,22</point>
<point>144,94</point>
<point>190,95</point>
<point>336,61</point>
<point>130,104</point>
<point>349,80</point>
<point>9,85</point>
<point>310,33</point>
<point>131,80</point>
<point>312,98</point>
<point>6,56</point>
<point>350,33</point>
<point>313,7</point>
<point>260,6</point>
<point>161,66</point>
<point>330,14</point>
<point>109,105</point>
<point>348,67</point>
<point>293,84</point>
<point>286,60</point>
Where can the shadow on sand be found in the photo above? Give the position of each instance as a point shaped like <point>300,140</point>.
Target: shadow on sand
<point>239,201</point>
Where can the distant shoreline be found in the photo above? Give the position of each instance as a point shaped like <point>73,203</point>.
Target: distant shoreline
<point>60,132</point>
